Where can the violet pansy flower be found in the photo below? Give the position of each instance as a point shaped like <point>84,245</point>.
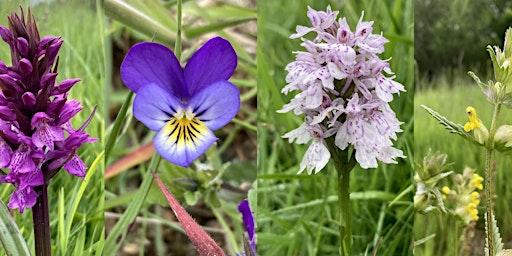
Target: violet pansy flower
<point>183,105</point>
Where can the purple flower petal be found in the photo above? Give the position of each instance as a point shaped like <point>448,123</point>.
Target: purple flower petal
<point>75,166</point>
<point>64,86</point>
<point>21,161</point>
<point>45,134</point>
<point>216,104</point>
<point>23,198</point>
<point>215,60</point>
<point>154,106</point>
<point>24,66</point>
<point>31,179</point>
<point>6,34</point>
<point>248,219</point>
<point>151,63</point>
<point>181,142</point>
<point>28,99</point>
<point>7,113</point>
<point>68,110</point>
<point>5,153</point>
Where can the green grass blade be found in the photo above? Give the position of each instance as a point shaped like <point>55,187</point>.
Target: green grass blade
<point>112,243</point>
<point>10,235</point>
<point>117,126</point>
<point>130,16</point>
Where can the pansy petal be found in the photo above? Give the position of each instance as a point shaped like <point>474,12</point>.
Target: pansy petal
<point>151,63</point>
<point>183,141</point>
<point>215,60</point>
<point>216,104</point>
<point>154,106</point>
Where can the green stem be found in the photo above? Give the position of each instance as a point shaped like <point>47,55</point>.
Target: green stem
<point>343,165</point>
<point>226,227</point>
<point>344,209</point>
<point>41,219</point>
<point>488,180</point>
<point>457,245</point>
<point>177,46</point>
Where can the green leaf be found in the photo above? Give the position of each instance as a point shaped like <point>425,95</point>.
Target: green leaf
<point>10,235</point>
<point>119,231</point>
<point>195,32</point>
<point>132,17</point>
<point>451,126</point>
<point>497,242</point>
<point>117,126</point>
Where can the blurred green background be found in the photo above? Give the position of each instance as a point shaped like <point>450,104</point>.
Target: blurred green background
<point>450,40</point>
<point>297,214</point>
<point>77,232</point>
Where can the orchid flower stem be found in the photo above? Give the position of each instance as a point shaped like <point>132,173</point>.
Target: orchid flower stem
<point>41,218</point>
<point>488,180</point>
<point>343,166</point>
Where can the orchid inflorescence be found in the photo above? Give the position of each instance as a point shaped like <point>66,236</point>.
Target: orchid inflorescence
<point>35,113</point>
<point>343,92</point>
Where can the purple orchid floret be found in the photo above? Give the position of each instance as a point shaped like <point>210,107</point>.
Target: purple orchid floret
<point>183,105</point>
<point>35,113</point>
<point>343,92</point>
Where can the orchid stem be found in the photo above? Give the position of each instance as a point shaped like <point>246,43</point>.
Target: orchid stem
<point>488,180</point>
<point>41,219</point>
<point>343,165</point>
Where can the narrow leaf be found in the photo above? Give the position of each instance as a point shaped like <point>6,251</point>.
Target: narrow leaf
<point>10,235</point>
<point>497,243</point>
<point>451,126</point>
<point>137,156</point>
<point>117,126</point>
<point>131,17</point>
<point>117,234</point>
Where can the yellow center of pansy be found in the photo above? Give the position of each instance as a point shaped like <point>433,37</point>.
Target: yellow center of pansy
<point>185,130</point>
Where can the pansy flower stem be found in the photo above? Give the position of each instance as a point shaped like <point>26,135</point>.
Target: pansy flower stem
<point>177,46</point>
<point>41,218</point>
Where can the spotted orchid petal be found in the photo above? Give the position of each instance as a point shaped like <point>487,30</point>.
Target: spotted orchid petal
<point>23,198</point>
<point>213,110</point>
<point>152,63</point>
<point>215,60</point>
<point>154,106</point>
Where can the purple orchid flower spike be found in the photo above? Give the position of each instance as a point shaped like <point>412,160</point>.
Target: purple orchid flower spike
<point>248,219</point>
<point>184,106</point>
<point>36,137</point>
